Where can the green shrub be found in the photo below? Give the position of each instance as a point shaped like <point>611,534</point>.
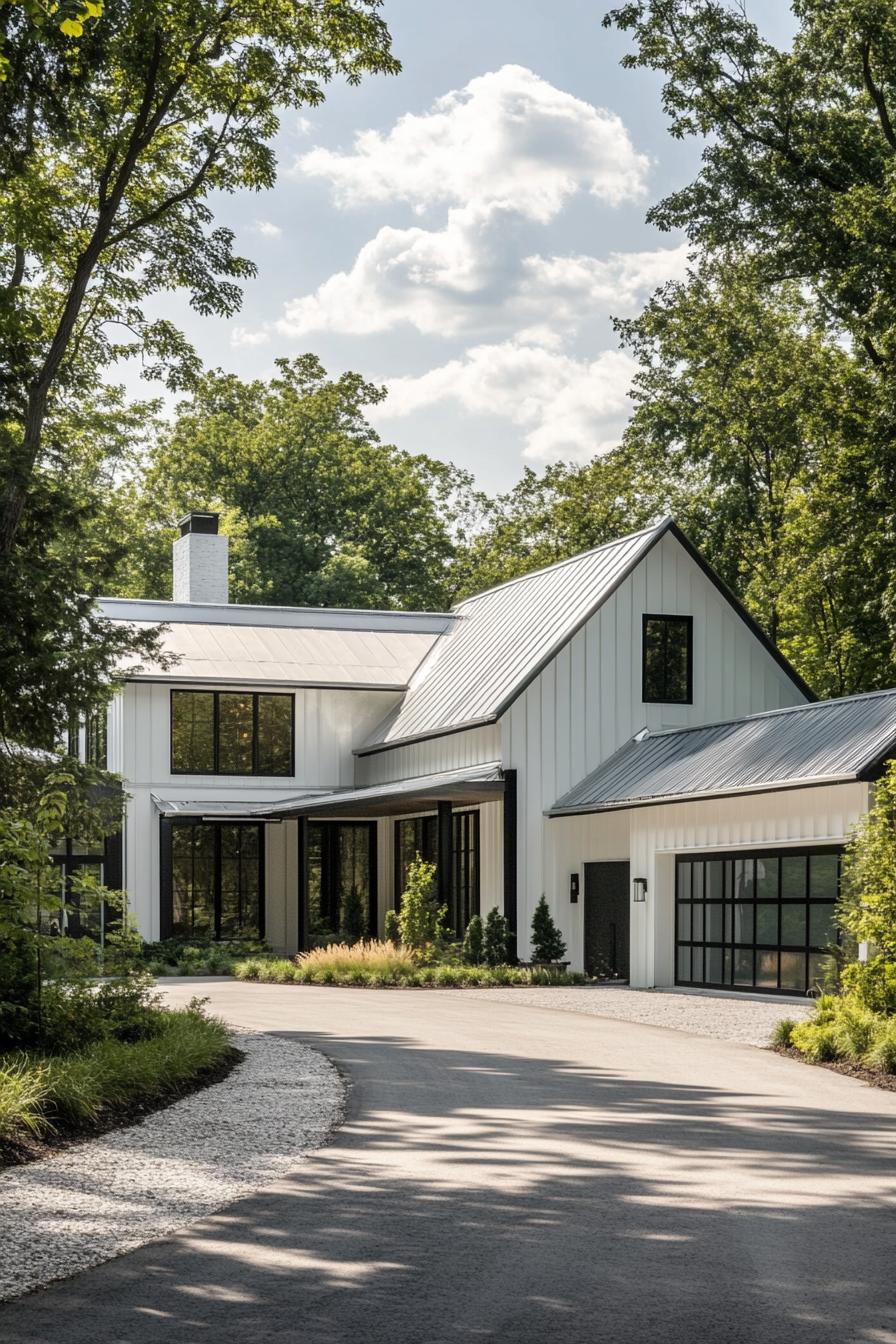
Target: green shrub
<point>474,942</point>
<point>882,1053</point>
<point>351,966</point>
<point>547,944</point>
<point>392,929</point>
<point>816,1040</point>
<point>497,935</point>
<point>782,1032</point>
<point>420,919</point>
<point>872,983</point>
<point>853,1027</point>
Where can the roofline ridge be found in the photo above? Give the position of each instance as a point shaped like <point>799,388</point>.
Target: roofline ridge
<point>665,522</point>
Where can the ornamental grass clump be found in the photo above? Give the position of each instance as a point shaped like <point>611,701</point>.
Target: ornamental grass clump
<point>369,961</point>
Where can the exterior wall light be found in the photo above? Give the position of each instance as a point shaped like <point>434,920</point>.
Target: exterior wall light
<point>639,889</point>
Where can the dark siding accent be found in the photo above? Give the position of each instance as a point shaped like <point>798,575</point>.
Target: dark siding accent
<point>510,859</point>
<point>302,930</point>
<point>165,893</point>
<point>445,855</point>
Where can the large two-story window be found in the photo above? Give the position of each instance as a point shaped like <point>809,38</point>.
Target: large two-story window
<point>232,733</point>
<point>668,660</point>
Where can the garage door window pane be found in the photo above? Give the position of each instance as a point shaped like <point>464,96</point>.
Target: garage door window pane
<point>767,923</point>
<point>714,872</point>
<point>793,925</point>
<point>714,925</point>
<point>743,923</point>
<point>767,970</point>
<point>697,965</point>
<point>743,879</point>
<point>714,966</point>
<point>743,967</point>
<point>820,967</point>
<point>697,888</point>
<point>822,929</point>
<point>684,963</point>
<point>684,922</point>
<point>793,971</point>
<point>823,877</point>
<point>697,923</point>
<point>684,881</point>
<point>793,877</point>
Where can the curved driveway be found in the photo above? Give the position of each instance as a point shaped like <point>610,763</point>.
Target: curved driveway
<point>512,1173</point>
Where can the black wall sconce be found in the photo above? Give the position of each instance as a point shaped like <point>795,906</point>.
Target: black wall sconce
<point>573,888</point>
<point>639,889</point>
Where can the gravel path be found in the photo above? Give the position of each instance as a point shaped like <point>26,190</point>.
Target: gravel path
<point>747,1021</point>
<point>109,1195</point>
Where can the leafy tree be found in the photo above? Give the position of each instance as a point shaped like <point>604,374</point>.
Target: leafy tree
<point>419,919</point>
<point>474,942</point>
<point>319,511</point>
<point>392,928</point>
<point>867,907</point>
<point>547,944</point>
<point>120,158</point>
<point>497,937</point>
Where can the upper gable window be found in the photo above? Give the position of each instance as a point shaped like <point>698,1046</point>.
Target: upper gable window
<point>231,733</point>
<point>668,660</point>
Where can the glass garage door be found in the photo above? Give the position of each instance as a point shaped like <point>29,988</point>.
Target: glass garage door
<point>762,921</point>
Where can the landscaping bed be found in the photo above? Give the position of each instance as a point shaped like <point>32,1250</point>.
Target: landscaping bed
<point>133,1058</point>
<point>850,1067</point>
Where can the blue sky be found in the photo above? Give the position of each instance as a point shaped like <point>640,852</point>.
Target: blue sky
<point>462,232</point>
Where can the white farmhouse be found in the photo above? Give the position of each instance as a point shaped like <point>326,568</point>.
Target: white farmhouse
<point>614,731</point>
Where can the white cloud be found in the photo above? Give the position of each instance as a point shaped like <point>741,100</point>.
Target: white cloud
<point>267,228</point>
<point>243,337</point>
<point>567,407</point>
<point>507,137</point>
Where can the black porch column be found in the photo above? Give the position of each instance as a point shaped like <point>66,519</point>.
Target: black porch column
<point>445,860</point>
<point>510,860</point>
<point>302,931</point>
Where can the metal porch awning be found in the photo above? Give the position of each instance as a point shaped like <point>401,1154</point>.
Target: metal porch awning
<point>473,784</point>
<point>202,809</point>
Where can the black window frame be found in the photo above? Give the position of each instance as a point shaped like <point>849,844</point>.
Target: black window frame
<point>167,874</point>
<point>216,694</point>
<point>753,945</point>
<point>667,618</point>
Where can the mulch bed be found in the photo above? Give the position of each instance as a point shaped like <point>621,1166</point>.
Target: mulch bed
<point>15,1153</point>
<point>873,1077</point>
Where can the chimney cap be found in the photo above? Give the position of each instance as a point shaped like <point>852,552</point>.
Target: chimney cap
<point>197,520</point>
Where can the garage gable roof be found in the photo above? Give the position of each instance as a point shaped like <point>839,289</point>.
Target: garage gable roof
<point>831,741</point>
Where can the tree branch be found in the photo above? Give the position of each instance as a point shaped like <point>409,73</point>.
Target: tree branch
<point>876,96</point>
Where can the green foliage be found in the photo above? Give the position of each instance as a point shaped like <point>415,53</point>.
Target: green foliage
<point>185,956</point>
<point>497,938</point>
<point>816,1040</point>
<point>392,928</point>
<point>867,907</point>
<point>872,983</point>
<point>882,1054</point>
<point>419,918</point>
<point>547,944</point>
<point>474,942</point>
<point>318,510</point>
<point>783,1030</point>
<point>59,1093</point>
<point>353,916</point>
<point>41,974</point>
<point>383,972</point>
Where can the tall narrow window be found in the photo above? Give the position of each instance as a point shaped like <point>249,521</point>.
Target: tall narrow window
<point>231,733</point>
<point>419,835</point>
<point>668,660</point>
<point>216,880</point>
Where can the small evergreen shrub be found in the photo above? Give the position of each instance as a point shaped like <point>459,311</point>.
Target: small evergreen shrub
<point>782,1032</point>
<point>419,920</point>
<point>882,1054</point>
<point>547,944</point>
<point>354,917</point>
<point>474,942</point>
<point>497,934</point>
<point>816,1040</point>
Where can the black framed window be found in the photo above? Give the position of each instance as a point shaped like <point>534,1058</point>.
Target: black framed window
<point>761,921</point>
<point>419,835</point>
<point>213,879</point>
<point>667,660</point>
<point>232,733</point>
<point>340,880</point>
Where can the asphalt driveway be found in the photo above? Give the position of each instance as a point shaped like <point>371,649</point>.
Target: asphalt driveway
<point>508,1172</point>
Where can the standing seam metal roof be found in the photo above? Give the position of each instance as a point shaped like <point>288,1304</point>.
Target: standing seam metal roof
<point>503,636</point>
<point>831,740</point>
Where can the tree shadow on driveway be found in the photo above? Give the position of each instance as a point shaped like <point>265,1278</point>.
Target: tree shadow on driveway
<point>475,1195</point>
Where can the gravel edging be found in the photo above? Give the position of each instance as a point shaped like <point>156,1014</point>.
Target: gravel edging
<point>721,1017</point>
<point>97,1199</point>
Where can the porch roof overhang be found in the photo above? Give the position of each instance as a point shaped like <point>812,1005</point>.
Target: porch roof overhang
<point>221,810</point>
<point>473,784</point>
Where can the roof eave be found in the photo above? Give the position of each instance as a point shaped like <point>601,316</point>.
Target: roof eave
<point>664,800</point>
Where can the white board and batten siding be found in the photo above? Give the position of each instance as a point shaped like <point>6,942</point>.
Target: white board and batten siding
<point>429,756</point>
<point>328,724</point>
<point>586,703</point>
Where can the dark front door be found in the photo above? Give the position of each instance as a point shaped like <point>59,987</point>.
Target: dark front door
<point>606,920</point>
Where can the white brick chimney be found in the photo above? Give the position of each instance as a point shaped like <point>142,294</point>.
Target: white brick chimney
<point>200,560</point>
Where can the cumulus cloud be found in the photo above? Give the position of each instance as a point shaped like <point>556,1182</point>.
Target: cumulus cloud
<point>244,337</point>
<point>566,407</point>
<point>506,137</point>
